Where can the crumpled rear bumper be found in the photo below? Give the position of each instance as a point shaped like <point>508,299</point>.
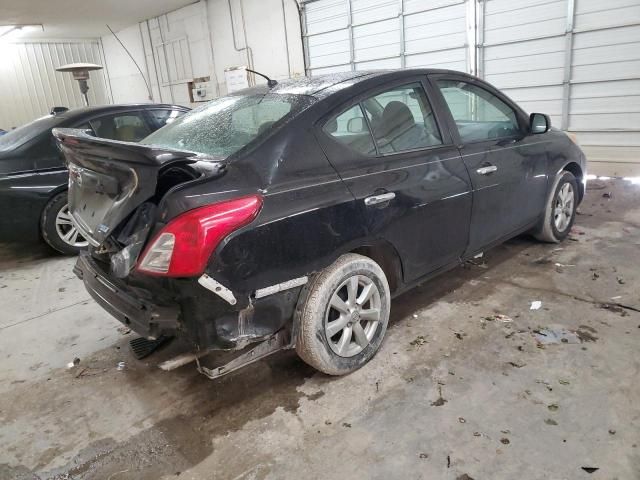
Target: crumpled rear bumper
<point>117,298</point>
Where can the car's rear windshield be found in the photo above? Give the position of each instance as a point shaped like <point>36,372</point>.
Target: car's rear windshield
<point>227,124</point>
<point>23,134</point>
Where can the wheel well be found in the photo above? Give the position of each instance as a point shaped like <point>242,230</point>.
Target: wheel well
<point>385,255</point>
<point>52,194</point>
<point>577,172</point>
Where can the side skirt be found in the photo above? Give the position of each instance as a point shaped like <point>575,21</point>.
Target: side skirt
<point>450,266</point>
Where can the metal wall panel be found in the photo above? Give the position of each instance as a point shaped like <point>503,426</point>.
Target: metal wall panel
<point>576,60</point>
<point>30,86</point>
<point>523,51</point>
<point>375,34</point>
<point>604,105</point>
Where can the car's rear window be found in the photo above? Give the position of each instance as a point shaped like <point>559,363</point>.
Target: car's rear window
<point>227,124</point>
<point>23,134</point>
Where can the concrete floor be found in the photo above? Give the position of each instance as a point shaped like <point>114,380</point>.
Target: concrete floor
<point>453,392</point>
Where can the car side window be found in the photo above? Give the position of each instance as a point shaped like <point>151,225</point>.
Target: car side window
<point>350,128</point>
<point>402,119</point>
<point>163,117</point>
<point>127,127</point>
<point>479,114</point>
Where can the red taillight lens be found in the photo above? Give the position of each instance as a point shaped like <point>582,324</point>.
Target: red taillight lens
<point>184,246</point>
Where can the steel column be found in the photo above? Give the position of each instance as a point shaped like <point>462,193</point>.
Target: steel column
<point>568,56</point>
<point>479,21</point>
<point>403,59</point>
<point>305,39</point>
<point>350,27</point>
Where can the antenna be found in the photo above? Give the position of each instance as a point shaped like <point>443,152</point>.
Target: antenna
<point>271,83</point>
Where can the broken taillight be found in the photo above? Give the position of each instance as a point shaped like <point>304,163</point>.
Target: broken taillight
<point>183,247</point>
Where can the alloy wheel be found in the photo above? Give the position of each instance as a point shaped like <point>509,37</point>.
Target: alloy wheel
<point>353,316</point>
<point>67,231</point>
<point>563,208</point>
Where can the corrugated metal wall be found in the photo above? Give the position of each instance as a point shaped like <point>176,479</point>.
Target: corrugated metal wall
<point>576,60</point>
<point>30,86</point>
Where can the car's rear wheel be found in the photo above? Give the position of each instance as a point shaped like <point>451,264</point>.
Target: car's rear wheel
<point>560,212</point>
<point>57,228</point>
<point>342,315</point>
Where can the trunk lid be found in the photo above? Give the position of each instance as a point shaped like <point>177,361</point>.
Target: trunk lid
<point>109,179</point>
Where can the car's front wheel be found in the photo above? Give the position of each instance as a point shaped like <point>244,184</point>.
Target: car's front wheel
<point>57,228</point>
<point>342,315</point>
<point>560,212</point>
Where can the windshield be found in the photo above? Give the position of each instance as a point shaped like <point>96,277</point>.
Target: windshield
<point>23,134</point>
<point>225,125</point>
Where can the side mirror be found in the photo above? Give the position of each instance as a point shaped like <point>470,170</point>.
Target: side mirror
<point>539,123</point>
<point>355,125</point>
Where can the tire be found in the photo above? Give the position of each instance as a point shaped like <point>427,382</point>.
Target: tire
<point>54,223</point>
<point>317,318</point>
<point>565,189</point>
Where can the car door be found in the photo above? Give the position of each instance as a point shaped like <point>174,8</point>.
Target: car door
<point>406,174</point>
<point>506,164</point>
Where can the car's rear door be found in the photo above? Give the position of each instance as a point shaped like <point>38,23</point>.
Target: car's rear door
<point>507,165</point>
<point>407,175</point>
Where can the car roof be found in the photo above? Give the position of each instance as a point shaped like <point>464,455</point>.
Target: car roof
<point>322,85</point>
<point>100,109</point>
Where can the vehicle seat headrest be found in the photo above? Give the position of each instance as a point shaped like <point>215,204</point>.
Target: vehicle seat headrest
<point>396,119</point>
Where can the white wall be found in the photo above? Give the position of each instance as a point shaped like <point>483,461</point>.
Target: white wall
<point>265,32</point>
<point>197,41</point>
<point>127,85</point>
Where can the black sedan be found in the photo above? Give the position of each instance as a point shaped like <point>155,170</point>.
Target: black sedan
<point>289,215</point>
<point>33,178</point>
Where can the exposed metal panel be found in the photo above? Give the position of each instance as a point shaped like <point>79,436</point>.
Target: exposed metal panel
<point>30,85</point>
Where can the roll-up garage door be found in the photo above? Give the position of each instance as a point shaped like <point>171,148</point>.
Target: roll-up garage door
<point>576,60</point>
<point>344,35</point>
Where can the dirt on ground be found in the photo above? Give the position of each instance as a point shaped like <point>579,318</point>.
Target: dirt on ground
<point>521,364</point>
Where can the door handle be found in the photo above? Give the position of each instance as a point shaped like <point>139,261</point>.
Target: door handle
<point>377,199</point>
<point>487,170</point>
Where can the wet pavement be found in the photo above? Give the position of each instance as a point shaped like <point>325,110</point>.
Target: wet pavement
<point>470,380</point>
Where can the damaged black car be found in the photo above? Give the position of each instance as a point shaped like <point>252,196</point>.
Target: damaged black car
<point>288,215</point>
